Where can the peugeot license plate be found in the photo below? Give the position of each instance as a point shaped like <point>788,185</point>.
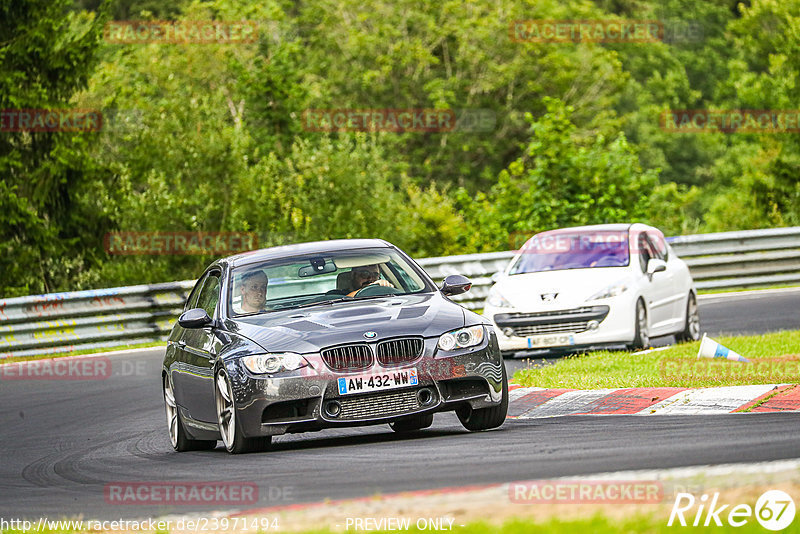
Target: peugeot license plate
<point>552,340</point>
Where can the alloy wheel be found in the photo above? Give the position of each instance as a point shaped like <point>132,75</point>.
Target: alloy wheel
<point>226,414</point>
<point>172,412</point>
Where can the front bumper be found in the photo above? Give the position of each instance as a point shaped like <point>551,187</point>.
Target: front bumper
<point>600,323</point>
<point>300,401</point>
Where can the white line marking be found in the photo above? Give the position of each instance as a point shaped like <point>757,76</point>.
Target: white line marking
<point>751,294</point>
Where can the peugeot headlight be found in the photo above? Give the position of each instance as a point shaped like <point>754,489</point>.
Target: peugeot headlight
<point>613,290</point>
<point>261,364</point>
<point>461,339</point>
<point>497,300</point>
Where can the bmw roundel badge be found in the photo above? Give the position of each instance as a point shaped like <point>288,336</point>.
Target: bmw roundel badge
<point>370,334</point>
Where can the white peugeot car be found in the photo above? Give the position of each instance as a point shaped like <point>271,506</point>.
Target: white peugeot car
<point>589,286</point>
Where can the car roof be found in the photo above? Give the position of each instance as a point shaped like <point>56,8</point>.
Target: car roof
<point>614,227</point>
<point>314,247</point>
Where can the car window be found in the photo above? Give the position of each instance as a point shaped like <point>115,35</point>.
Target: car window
<point>558,250</point>
<point>659,244</point>
<point>312,278</point>
<point>646,251</point>
<point>191,302</point>
<point>209,295</point>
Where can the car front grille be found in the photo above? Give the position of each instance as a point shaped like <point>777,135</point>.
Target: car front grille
<point>348,357</point>
<point>378,405</point>
<point>571,321</point>
<point>398,351</point>
<point>562,328</point>
<point>556,313</point>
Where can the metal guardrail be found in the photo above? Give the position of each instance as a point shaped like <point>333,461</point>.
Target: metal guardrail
<point>61,322</point>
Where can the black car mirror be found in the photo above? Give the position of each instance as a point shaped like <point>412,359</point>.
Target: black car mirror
<point>455,284</point>
<point>194,318</point>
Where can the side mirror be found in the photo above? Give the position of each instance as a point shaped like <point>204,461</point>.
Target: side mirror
<point>496,276</point>
<point>656,266</point>
<point>455,284</point>
<point>194,318</point>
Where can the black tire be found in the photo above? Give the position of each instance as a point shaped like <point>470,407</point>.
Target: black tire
<point>414,422</point>
<point>691,329</point>
<point>641,339</point>
<point>229,428</point>
<point>178,436</point>
<point>486,418</point>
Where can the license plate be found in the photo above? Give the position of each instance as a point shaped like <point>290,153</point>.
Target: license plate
<point>381,381</point>
<point>554,340</point>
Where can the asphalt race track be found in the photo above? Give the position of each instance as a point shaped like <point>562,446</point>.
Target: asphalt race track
<point>64,441</point>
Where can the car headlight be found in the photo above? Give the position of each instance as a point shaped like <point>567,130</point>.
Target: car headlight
<point>261,364</point>
<point>613,290</point>
<point>461,339</point>
<point>497,300</point>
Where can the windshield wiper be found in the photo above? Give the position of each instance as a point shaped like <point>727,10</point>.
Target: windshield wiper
<point>320,303</point>
<point>379,296</point>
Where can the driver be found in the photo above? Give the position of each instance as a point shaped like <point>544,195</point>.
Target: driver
<point>366,275</point>
<point>254,291</point>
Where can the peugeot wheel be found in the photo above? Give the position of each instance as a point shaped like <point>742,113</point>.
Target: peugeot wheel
<point>641,339</point>
<point>691,330</point>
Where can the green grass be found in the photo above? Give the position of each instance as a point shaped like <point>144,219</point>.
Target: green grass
<point>84,351</point>
<point>775,358</point>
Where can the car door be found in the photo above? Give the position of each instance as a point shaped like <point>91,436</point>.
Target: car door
<point>676,271</point>
<point>657,289</point>
<point>199,355</point>
<point>178,343</point>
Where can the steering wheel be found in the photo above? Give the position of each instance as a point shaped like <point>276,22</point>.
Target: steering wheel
<point>375,289</point>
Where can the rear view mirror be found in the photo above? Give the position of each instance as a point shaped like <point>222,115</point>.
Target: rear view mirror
<point>455,284</point>
<point>194,318</point>
<point>317,266</point>
<point>656,266</point>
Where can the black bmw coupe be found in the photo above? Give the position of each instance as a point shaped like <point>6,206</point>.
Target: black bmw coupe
<point>327,334</point>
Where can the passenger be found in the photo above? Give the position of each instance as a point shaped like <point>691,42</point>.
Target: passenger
<point>254,291</point>
<point>366,275</point>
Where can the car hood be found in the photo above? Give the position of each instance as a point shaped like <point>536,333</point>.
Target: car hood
<point>307,330</point>
<point>564,289</point>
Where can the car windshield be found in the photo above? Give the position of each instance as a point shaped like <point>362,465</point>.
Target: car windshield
<point>321,278</point>
<point>559,250</point>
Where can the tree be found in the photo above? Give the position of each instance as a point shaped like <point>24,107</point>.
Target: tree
<point>47,224</point>
<point>563,179</point>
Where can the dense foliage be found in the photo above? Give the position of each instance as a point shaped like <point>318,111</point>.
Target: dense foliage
<point>211,137</point>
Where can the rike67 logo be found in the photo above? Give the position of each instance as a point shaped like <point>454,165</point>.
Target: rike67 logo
<point>774,510</point>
